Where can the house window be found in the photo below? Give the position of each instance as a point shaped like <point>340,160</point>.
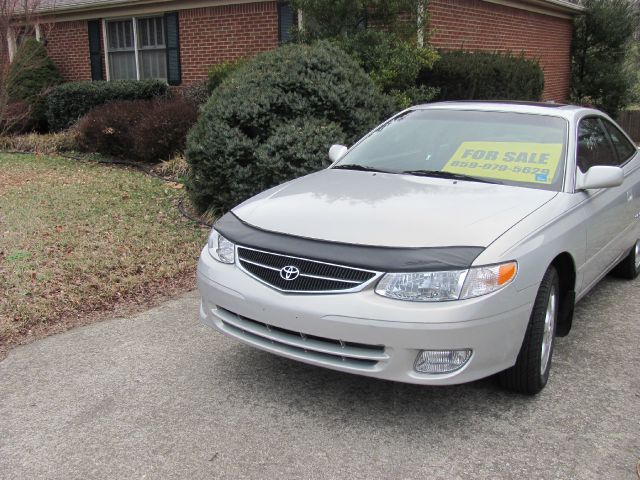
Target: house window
<point>152,48</point>
<point>122,54</point>
<point>137,48</point>
<point>287,19</point>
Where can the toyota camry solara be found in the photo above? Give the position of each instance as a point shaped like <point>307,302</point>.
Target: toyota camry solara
<point>449,244</point>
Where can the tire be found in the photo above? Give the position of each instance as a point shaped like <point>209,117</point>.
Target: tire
<point>530,373</point>
<point>629,267</point>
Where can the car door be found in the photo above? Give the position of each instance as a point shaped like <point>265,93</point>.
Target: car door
<point>605,208</point>
<point>630,163</point>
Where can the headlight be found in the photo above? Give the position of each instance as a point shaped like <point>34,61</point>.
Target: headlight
<point>422,286</point>
<point>220,248</point>
<point>446,285</point>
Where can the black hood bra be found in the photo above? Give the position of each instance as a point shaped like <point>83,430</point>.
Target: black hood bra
<point>369,257</point>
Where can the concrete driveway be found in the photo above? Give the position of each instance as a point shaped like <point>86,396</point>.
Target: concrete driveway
<point>161,396</point>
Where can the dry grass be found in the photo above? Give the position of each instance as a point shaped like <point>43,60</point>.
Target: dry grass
<point>176,168</point>
<point>50,143</point>
<point>79,238</point>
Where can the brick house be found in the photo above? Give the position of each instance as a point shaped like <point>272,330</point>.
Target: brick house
<point>178,40</point>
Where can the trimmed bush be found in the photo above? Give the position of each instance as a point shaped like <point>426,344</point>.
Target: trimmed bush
<point>220,71</point>
<point>149,130</point>
<point>461,75</point>
<point>275,118</point>
<point>162,130</point>
<point>31,75</point>
<point>306,140</point>
<point>107,129</point>
<point>68,102</point>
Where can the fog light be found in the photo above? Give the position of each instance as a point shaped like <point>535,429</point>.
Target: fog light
<point>441,361</point>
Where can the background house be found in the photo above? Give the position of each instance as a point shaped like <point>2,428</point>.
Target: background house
<point>179,40</point>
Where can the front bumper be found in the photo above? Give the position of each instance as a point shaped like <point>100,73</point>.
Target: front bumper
<point>362,332</point>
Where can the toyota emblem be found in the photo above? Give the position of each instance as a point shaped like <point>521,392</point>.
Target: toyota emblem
<point>289,272</point>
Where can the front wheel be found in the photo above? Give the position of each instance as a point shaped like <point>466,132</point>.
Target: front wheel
<point>530,373</point>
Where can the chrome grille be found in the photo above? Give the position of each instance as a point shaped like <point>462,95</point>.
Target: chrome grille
<point>326,350</point>
<point>314,276</point>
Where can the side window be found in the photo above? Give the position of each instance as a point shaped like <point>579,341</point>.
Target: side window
<point>624,147</point>
<point>594,147</point>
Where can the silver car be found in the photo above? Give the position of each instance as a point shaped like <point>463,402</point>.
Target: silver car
<point>449,244</point>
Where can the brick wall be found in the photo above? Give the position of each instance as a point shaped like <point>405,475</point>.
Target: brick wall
<point>68,47</point>
<point>479,25</point>
<point>215,34</point>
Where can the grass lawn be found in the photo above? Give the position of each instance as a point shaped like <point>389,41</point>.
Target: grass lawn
<point>80,240</point>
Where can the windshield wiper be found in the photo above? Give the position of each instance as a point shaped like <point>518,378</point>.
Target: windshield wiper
<point>419,173</point>
<point>362,168</point>
<point>454,176</point>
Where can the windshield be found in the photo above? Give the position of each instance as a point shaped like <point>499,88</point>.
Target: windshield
<point>509,148</point>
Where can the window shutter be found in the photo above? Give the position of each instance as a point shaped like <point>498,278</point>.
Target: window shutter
<point>174,73</point>
<point>95,50</point>
<point>287,18</point>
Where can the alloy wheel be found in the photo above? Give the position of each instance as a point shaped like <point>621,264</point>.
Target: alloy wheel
<point>549,329</point>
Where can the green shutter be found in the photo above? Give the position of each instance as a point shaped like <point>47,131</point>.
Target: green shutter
<point>172,29</point>
<point>95,50</point>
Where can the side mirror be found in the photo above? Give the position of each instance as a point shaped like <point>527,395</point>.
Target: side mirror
<point>336,152</point>
<point>599,176</point>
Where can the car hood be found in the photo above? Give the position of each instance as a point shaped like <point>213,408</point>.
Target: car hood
<point>391,210</point>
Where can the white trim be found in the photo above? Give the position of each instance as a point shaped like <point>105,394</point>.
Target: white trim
<point>538,9</point>
<point>420,25</point>
<point>562,4</point>
<point>135,46</point>
<point>11,43</point>
<point>105,45</point>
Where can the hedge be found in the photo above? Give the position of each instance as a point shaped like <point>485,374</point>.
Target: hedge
<point>68,102</point>
<point>461,75</point>
<point>275,118</point>
<point>149,130</point>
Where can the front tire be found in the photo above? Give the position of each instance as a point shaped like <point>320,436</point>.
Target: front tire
<point>530,373</point>
<point>629,267</point>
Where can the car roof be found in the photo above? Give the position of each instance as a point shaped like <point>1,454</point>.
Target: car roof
<point>535,108</point>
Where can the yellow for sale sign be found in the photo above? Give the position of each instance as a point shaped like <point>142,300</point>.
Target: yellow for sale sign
<point>514,161</point>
